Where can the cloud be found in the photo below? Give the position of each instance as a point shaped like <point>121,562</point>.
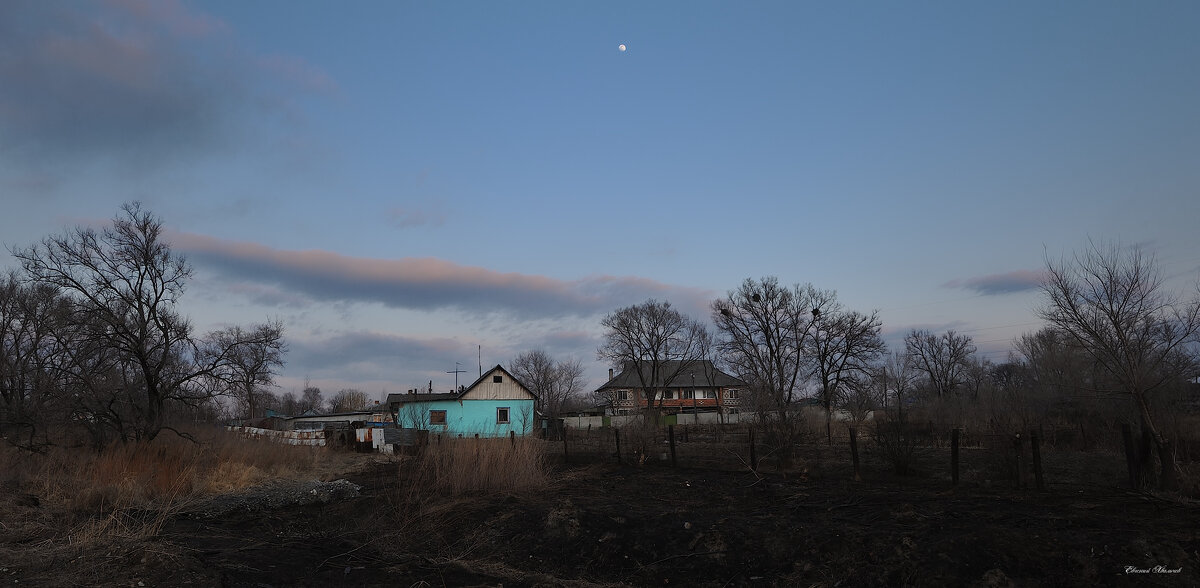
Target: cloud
<point>429,283</point>
<point>382,354</point>
<point>996,284</point>
<point>128,82</point>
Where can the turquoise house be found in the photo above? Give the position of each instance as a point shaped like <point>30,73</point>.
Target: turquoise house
<point>495,405</point>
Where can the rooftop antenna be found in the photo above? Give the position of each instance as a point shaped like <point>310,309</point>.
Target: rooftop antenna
<point>456,372</point>
<point>480,351</point>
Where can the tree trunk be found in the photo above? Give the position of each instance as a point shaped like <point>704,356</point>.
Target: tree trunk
<point>1169,478</point>
<point>1169,468</point>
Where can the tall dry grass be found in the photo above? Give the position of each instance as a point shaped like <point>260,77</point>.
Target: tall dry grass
<point>466,466</point>
<point>170,468</point>
<point>79,498</point>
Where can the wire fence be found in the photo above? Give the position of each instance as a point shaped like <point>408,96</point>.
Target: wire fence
<point>1038,458</point>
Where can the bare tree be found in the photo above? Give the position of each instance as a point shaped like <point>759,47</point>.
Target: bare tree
<point>288,403</point>
<point>413,415</point>
<point>861,397</point>
<point>942,358</point>
<point>254,355</point>
<point>554,382</point>
<point>310,399</point>
<point>764,329</point>
<point>349,400</point>
<point>897,378</point>
<point>31,386</point>
<point>657,343</point>
<point>843,344</point>
<point>1112,302</point>
<point>765,332</point>
<point>130,352</point>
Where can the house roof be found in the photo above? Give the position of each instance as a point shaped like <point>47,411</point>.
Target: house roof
<point>706,374</point>
<point>402,398</point>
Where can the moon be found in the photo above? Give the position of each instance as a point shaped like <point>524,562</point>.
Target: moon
<point>621,47</point>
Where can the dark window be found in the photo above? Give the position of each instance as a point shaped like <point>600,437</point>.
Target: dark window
<point>502,414</point>
<point>437,417</point>
<point>497,379</point>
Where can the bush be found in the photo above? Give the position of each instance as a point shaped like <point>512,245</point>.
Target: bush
<point>896,441</point>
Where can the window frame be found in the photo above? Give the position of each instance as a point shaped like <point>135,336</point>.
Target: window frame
<point>507,415</point>
<point>433,422</point>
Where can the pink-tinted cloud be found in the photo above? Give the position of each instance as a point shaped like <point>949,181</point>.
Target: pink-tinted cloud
<point>1004,283</point>
<point>171,15</point>
<point>429,283</point>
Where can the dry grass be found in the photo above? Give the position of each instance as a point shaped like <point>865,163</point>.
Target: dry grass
<point>465,466</point>
<point>75,504</point>
<point>166,470</point>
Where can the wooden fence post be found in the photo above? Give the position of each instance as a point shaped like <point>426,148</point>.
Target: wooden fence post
<point>1130,455</point>
<point>954,456</point>
<point>1037,461</point>
<point>512,437</point>
<point>617,434</point>
<point>854,452</point>
<point>1017,454</point>
<point>753,455</point>
<point>671,438</point>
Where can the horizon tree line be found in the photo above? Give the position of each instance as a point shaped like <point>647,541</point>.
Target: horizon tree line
<point>1113,332</point>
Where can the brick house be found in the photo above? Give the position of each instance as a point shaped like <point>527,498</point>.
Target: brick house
<point>696,386</point>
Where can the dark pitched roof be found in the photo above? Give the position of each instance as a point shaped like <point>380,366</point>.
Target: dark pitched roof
<point>706,375</point>
<point>421,397</point>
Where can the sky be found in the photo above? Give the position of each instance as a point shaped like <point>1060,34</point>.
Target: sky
<point>418,187</point>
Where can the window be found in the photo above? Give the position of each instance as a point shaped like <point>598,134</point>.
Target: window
<point>437,417</point>
<point>732,394</point>
<point>708,394</point>
<point>497,379</point>
<point>622,394</point>
<point>668,395</point>
<point>688,395</point>
<point>502,414</point>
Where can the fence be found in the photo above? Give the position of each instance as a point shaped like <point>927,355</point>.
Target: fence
<point>315,438</point>
<point>988,459</point>
<point>694,418</point>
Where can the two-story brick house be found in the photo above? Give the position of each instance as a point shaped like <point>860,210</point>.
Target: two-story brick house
<point>697,386</point>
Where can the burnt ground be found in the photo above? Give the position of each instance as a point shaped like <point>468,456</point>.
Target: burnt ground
<point>609,524</point>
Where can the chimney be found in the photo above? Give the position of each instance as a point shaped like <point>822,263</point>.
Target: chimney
<point>610,375</point>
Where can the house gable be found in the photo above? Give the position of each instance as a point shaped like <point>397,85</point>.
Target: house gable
<point>497,384</point>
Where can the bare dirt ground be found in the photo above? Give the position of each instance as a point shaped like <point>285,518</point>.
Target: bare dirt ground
<point>609,525</point>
